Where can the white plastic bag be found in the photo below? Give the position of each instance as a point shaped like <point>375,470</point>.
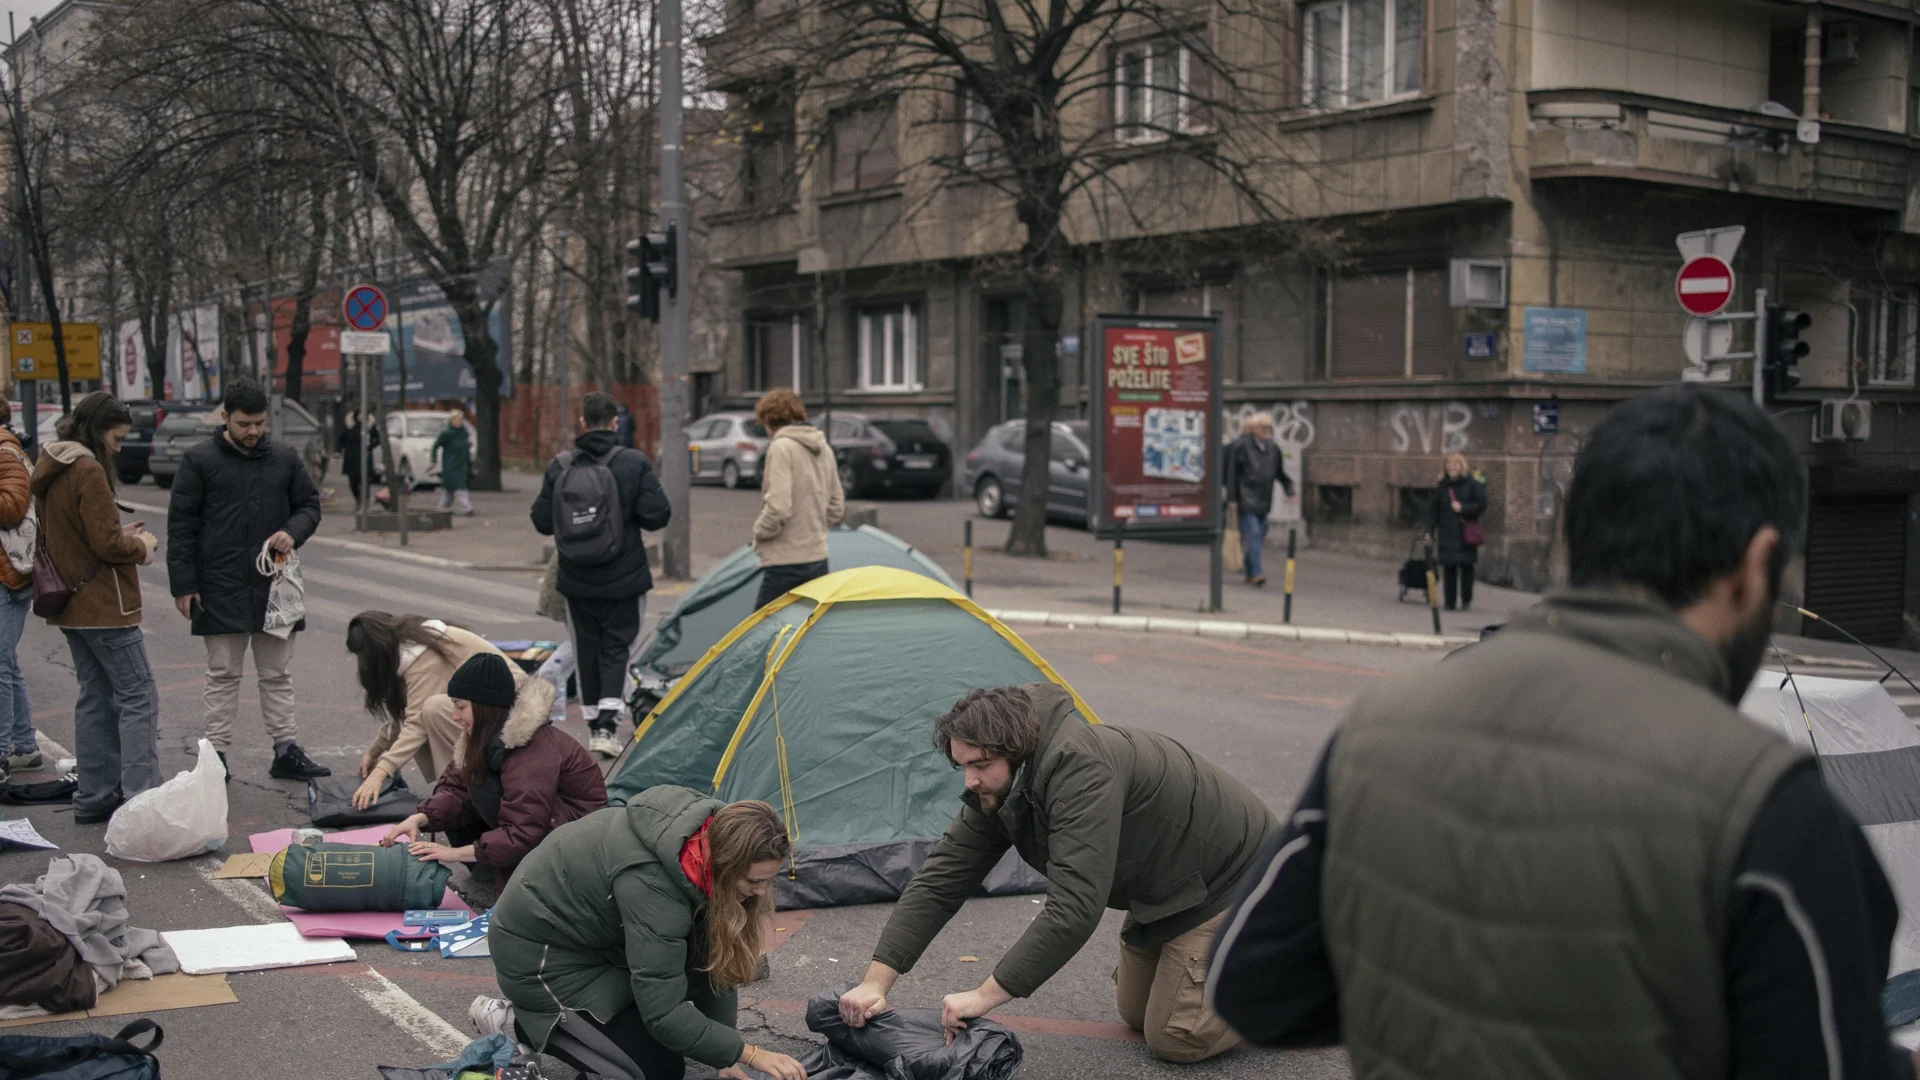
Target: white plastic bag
<point>287,600</point>
<point>185,816</point>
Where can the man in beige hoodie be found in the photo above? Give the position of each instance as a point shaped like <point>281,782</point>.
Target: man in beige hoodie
<point>800,497</point>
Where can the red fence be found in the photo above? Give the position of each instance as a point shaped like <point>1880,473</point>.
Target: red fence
<point>530,421</point>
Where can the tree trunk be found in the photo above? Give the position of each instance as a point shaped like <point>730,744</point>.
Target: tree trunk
<point>1028,536</point>
<point>303,299</point>
<point>482,357</point>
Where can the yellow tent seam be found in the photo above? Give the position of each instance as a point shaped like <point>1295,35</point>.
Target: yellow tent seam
<point>746,718</point>
<point>694,672</point>
<point>1026,650</point>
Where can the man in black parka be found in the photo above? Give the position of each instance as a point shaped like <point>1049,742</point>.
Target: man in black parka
<point>235,493</point>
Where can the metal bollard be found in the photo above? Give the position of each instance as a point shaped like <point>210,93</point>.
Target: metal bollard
<point>1433,591</point>
<point>1119,558</point>
<point>1286,612</point>
<point>966,557</point>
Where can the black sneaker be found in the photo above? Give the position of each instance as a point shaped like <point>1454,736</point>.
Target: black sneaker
<point>95,817</point>
<point>224,767</point>
<point>294,764</point>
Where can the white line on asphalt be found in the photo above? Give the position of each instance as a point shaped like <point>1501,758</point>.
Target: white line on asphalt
<point>407,1014</point>
<point>241,891</point>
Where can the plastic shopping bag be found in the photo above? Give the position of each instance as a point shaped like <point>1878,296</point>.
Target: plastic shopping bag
<point>287,599</point>
<point>185,816</point>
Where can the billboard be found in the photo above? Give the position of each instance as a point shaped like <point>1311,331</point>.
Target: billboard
<point>436,352</point>
<point>193,353</point>
<point>1156,399</point>
<point>131,379</point>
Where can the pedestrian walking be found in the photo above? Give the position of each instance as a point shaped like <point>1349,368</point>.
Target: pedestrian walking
<point>404,663</point>
<point>638,925</point>
<point>1116,818</point>
<point>1254,464</point>
<point>623,428</point>
<point>236,494</point>
<point>19,746</point>
<point>1453,527</point>
<point>1564,852</point>
<point>453,449</point>
<point>114,720</point>
<point>515,779</point>
<point>352,453</point>
<point>594,501</point>
<point>800,497</point>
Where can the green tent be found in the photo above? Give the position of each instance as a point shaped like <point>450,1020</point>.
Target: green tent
<point>822,703</point>
<point>724,595</point>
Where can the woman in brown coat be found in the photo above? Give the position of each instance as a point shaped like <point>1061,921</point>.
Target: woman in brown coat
<point>404,662</point>
<point>516,779</point>
<point>99,559</point>
<point>19,747</point>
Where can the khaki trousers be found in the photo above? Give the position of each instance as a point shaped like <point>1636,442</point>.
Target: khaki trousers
<point>1161,993</point>
<point>226,666</point>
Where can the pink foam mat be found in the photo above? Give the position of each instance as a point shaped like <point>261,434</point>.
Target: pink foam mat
<point>349,924</point>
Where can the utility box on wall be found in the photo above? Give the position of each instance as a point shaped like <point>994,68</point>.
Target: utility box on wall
<point>1477,283</point>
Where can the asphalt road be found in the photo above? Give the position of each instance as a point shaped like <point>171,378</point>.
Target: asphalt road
<point>1260,710</point>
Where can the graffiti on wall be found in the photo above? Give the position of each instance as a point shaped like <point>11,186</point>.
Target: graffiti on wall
<point>1292,432</point>
<point>1429,429</point>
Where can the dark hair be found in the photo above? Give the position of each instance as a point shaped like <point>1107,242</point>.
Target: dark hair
<point>487,722</point>
<point>375,638</point>
<point>92,417</point>
<point>779,407</point>
<point>1672,486</point>
<point>598,409</point>
<point>6,412</point>
<point>999,720</point>
<point>244,396</point>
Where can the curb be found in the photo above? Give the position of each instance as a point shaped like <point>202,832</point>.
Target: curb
<point>1225,628</point>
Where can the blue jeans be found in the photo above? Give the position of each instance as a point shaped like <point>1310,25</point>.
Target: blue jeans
<point>115,720</point>
<point>1253,535</point>
<point>16,714</point>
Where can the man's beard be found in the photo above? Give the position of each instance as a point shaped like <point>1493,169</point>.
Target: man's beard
<point>1745,650</point>
<point>990,800</point>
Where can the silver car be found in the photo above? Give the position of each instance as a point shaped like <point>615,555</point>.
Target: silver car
<point>727,447</point>
<point>993,470</point>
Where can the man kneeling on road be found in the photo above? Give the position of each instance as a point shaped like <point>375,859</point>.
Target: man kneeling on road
<point>1117,818</point>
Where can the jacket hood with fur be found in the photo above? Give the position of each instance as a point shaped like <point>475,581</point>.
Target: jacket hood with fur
<point>532,710</point>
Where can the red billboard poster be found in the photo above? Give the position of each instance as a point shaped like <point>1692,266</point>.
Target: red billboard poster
<point>1156,415</point>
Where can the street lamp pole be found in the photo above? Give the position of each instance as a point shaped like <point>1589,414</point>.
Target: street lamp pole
<point>675,309</point>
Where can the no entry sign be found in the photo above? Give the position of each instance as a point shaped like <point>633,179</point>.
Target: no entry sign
<point>365,307</point>
<point>1704,285</point>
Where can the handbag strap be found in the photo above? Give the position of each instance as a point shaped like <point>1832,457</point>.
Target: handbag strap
<point>121,1045</point>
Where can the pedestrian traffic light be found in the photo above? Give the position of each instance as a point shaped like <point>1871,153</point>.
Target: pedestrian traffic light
<point>1784,350</point>
<point>655,265</point>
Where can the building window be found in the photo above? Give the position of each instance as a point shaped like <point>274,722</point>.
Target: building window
<point>1390,325</point>
<point>1889,326</point>
<point>980,146</point>
<point>1415,505</point>
<point>866,148</point>
<point>1360,51</point>
<point>767,178</point>
<point>1160,88</point>
<point>890,348</point>
<point>775,352</point>
<point>1336,502</point>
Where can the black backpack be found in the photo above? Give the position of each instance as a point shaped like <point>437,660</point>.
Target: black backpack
<point>588,520</point>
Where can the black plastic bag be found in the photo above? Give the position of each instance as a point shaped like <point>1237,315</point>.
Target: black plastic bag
<point>905,1044</point>
<point>330,803</point>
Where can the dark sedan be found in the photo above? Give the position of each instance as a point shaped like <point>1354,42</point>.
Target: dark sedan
<point>131,461</point>
<point>992,473</point>
<point>187,426</point>
<point>889,456</point>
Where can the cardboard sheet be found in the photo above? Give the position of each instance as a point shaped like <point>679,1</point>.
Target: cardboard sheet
<point>251,865</point>
<point>346,924</point>
<point>141,996</point>
<point>258,947</point>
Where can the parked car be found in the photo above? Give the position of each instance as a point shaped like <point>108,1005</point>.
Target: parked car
<point>993,469</point>
<point>873,461</point>
<point>727,447</point>
<point>189,423</point>
<point>411,435</point>
<point>131,462</point>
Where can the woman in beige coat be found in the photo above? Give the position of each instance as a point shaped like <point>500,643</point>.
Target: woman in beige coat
<point>404,663</point>
<point>800,498</point>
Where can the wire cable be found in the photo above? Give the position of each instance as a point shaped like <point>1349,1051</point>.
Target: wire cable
<point>1890,668</point>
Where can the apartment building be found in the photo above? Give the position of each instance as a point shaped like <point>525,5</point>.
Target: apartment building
<point>1505,180</point>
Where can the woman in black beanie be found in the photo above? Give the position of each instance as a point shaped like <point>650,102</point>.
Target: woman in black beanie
<point>515,780</point>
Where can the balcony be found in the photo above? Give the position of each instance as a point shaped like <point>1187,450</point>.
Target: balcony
<point>760,42</point>
<point>1610,133</point>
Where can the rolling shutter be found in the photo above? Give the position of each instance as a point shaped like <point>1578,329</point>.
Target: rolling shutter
<point>1369,316</point>
<point>1856,566</point>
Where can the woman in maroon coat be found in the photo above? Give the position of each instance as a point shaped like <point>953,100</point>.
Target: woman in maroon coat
<point>514,781</point>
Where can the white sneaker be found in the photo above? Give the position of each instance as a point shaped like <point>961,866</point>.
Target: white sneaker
<point>491,1016</point>
<point>604,744</point>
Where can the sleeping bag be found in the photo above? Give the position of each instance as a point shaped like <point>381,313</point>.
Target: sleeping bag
<point>355,877</point>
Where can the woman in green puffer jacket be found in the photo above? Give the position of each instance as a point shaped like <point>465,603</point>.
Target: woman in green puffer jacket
<point>656,969</point>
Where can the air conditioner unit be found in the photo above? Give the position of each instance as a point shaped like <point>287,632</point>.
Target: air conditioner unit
<point>1850,420</point>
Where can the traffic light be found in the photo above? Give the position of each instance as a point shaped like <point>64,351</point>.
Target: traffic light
<point>654,268</point>
<point>1784,349</point>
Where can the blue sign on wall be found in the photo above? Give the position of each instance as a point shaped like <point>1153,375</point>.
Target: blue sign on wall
<point>1546,418</point>
<point>1480,346</point>
<point>1554,340</point>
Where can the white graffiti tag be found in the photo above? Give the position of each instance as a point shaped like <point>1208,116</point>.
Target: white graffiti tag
<point>1424,424</point>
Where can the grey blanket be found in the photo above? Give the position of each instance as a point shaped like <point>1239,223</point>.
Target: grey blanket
<point>84,898</point>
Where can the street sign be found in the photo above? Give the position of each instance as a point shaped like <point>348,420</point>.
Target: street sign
<point>1479,346</point>
<point>365,307</point>
<point>30,350</point>
<point>1704,285</point>
<point>361,343</point>
<point>1546,418</point>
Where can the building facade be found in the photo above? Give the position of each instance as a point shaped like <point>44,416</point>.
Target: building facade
<point>1506,180</point>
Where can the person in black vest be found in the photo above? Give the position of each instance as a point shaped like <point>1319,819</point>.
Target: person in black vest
<point>606,594</point>
<point>236,493</point>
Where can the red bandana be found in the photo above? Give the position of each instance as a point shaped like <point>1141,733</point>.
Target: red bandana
<point>694,861</point>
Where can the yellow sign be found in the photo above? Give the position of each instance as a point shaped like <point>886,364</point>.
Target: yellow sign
<point>30,348</point>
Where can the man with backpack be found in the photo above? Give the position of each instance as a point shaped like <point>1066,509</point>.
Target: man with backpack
<point>594,502</point>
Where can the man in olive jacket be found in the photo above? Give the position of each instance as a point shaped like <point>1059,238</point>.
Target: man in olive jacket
<point>1115,818</point>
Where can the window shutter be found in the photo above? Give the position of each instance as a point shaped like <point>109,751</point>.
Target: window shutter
<point>846,152</point>
<point>1197,111</point>
<point>1369,326</point>
<point>880,157</point>
<point>1433,338</point>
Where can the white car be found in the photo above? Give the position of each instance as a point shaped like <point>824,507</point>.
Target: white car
<point>411,435</point>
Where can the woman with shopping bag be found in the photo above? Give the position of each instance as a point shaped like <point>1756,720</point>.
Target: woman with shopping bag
<point>404,663</point>
<point>1454,528</point>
